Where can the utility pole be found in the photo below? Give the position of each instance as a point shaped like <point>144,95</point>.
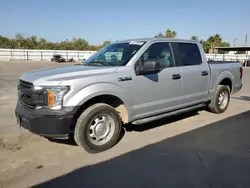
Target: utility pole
<point>246,40</point>
<point>246,51</point>
<point>235,39</point>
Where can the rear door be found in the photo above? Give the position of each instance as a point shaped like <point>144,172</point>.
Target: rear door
<point>195,73</point>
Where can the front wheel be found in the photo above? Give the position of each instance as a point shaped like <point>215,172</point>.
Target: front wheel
<point>98,128</point>
<point>221,99</point>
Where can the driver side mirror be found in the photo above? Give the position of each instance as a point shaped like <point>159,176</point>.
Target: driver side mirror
<point>150,67</point>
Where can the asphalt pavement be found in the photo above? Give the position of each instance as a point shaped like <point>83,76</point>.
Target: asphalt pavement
<point>196,149</point>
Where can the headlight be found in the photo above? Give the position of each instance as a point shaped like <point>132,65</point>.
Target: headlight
<point>54,96</point>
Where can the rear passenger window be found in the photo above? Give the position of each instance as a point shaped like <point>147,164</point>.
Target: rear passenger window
<point>187,54</point>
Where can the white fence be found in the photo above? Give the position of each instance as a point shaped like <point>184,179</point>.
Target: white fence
<point>228,57</point>
<point>25,54</point>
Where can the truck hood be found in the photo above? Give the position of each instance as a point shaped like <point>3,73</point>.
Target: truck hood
<point>54,76</point>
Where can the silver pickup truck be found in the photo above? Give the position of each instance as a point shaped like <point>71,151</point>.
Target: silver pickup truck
<point>131,81</point>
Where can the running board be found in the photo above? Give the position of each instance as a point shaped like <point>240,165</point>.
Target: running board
<point>176,112</point>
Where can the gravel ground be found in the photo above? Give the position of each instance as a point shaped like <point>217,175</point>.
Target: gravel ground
<point>198,149</point>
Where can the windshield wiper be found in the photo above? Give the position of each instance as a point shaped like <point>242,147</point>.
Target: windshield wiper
<point>96,63</point>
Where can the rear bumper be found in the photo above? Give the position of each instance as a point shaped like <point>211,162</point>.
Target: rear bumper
<point>45,122</point>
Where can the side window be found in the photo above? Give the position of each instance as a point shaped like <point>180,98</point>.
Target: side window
<point>188,54</point>
<point>160,52</point>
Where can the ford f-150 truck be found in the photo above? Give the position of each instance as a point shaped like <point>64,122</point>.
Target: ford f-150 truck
<point>131,81</point>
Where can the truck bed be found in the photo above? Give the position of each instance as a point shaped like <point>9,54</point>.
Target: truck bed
<point>233,67</point>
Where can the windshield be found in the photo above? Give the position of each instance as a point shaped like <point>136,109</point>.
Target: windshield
<point>117,54</point>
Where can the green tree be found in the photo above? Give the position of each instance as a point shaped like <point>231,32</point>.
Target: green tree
<point>170,34</point>
<point>42,44</point>
<point>92,48</point>
<point>159,35</point>
<point>19,36</point>
<point>105,43</point>
<point>31,42</point>
<point>224,44</point>
<point>6,42</point>
<point>80,44</point>
<point>213,41</point>
<point>204,46</point>
<point>194,38</point>
<point>19,40</point>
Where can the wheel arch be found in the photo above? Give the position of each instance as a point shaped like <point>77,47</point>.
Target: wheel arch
<point>227,82</point>
<point>224,78</point>
<point>102,93</point>
<point>109,99</point>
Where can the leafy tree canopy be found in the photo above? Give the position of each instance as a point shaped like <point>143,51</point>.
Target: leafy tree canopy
<point>33,42</point>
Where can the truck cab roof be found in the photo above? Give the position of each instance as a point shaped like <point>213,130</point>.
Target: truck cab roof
<point>159,39</point>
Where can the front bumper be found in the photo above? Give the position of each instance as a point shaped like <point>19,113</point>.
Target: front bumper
<point>45,122</point>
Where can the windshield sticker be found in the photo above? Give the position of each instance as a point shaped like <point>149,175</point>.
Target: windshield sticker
<point>136,43</point>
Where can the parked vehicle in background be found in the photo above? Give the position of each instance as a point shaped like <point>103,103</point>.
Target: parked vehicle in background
<point>71,60</point>
<point>131,81</point>
<point>58,58</point>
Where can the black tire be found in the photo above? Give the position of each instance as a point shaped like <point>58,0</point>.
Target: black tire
<point>214,105</point>
<point>82,128</point>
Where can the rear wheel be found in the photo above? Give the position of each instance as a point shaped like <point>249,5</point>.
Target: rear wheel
<point>221,100</point>
<point>98,128</point>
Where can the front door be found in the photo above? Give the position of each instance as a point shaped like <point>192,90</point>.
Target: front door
<point>161,92</point>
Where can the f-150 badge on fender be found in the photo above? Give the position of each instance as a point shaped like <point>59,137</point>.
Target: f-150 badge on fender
<point>121,79</point>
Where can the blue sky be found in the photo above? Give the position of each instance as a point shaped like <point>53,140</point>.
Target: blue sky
<point>99,20</point>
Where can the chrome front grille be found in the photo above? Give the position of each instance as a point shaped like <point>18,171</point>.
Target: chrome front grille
<point>24,85</point>
<point>29,97</point>
<point>25,93</point>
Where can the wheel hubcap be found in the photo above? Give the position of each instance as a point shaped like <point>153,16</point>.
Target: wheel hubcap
<point>223,99</point>
<point>101,129</point>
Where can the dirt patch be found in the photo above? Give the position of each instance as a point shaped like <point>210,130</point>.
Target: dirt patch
<point>39,167</point>
<point>10,147</point>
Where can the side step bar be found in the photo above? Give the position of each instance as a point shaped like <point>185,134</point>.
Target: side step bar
<point>176,112</point>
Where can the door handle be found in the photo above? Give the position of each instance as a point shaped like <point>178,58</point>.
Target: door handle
<point>176,76</point>
<point>204,73</point>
